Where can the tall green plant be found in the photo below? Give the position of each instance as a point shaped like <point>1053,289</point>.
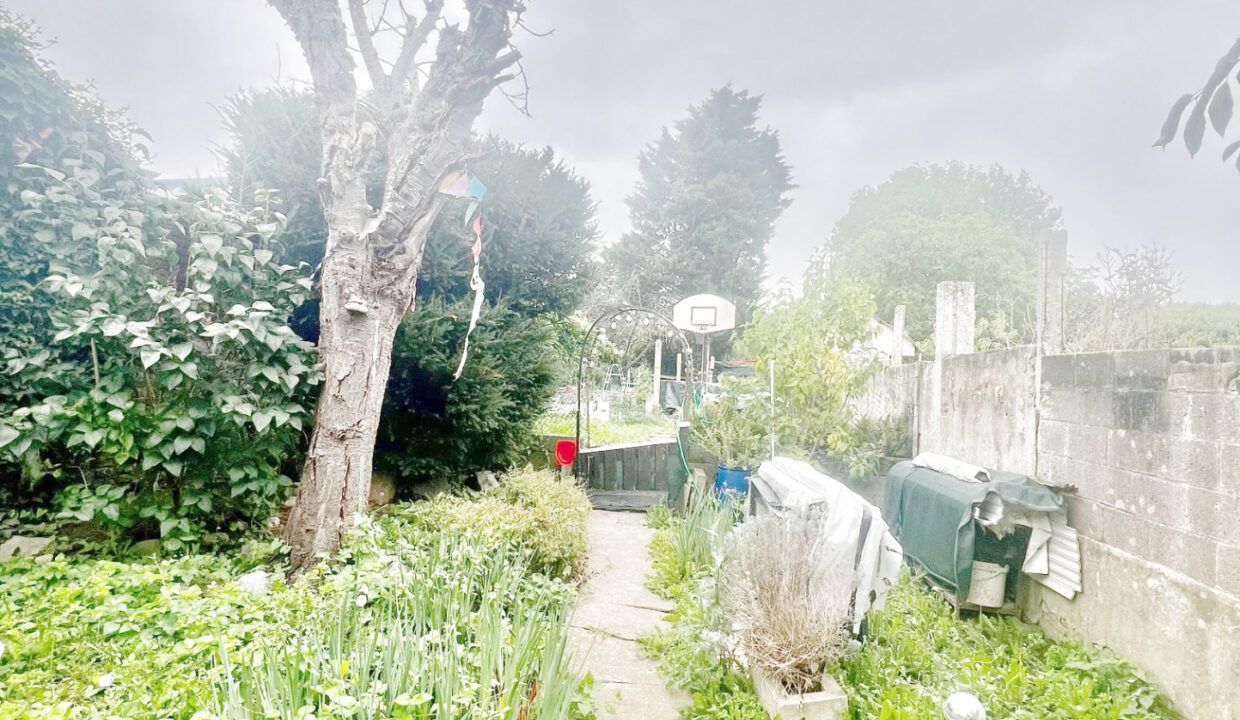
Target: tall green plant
<point>817,345</point>
<point>172,389</point>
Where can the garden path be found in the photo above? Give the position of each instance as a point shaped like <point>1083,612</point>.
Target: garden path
<point>614,609</point>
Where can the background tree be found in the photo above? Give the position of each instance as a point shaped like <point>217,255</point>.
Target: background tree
<point>1119,302</point>
<point>539,234</point>
<point>930,223</point>
<point>420,126</point>
<point>815,341</point>
<point>710,192</point>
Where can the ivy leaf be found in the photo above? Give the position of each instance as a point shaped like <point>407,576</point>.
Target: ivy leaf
<point>173,467</point>
<point>182,350</point>
<point>8,435</point>
<point>262,419</point>
<point>149,358</point>
<point>113,327</point>
<point>212,243</point>
<point>181,444</point>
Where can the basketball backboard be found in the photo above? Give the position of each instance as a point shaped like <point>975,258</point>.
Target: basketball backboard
<point>704,314</point>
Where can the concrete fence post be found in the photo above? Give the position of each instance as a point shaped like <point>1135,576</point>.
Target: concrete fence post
<point>954,316</point>
<point>897,336</point>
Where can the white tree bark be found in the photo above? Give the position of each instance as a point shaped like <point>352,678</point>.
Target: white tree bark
<point>373,255</point>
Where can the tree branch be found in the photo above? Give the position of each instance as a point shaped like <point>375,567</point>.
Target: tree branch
<point>414,40</point>
<point>366,45</point>
<point>321,32</point>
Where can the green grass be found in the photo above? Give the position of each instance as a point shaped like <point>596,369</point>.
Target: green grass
<point>432,610</point>
<point>916,652</point>
<point>603,432</point>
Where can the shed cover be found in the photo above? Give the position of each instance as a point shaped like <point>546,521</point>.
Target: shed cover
<point>932,514</point>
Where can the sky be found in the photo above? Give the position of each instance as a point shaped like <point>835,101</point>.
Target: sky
<point>1072,92</point>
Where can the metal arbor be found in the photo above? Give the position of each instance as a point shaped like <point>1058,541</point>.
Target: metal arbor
<point>611,313</point>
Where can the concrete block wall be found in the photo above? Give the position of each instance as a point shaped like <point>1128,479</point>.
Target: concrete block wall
<point>1149,443</point>
<point>1150,440</point>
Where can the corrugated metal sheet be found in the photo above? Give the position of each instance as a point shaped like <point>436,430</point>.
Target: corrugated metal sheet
<point>1065,555</point>
<point>1064,548</point>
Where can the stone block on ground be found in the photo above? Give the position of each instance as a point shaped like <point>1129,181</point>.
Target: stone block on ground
<point>23,546</point>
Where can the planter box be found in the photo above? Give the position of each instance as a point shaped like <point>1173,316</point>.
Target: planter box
<point>830,703</point>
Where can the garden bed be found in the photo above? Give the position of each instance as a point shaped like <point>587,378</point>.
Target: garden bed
<point>916,651</point>
<point>450,608</point>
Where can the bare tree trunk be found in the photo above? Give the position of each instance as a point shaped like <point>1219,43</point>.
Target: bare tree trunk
<point>355,341</point>
<point>373,254</point>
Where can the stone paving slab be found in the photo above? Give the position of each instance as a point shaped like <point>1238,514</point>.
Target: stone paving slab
<point>613,610</point>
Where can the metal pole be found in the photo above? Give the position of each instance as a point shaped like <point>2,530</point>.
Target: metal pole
<point>658,370</point>
<point>772,368</point>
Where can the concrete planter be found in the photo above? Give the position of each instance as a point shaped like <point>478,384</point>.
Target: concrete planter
<point>830,703</point>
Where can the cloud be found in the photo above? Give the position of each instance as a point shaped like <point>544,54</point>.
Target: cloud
<point>1071,91</point>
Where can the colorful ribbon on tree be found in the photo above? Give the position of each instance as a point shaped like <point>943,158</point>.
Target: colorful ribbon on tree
<point>460,184</point>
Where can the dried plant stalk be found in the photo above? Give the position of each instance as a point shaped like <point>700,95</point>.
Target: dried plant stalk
<point>787,589</point>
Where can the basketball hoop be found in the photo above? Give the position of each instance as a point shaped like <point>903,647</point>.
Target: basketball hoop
<point>704,314</point>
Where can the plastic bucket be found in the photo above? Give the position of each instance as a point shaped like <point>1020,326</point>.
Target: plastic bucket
<point>988,586</point>
<point>731,482</point>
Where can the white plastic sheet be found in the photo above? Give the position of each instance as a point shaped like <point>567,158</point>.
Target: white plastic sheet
<point>785,485</point>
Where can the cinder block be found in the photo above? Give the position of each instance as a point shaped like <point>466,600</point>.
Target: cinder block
<point>1057,370</point>
<point>1206,416</point>
<point>1227,568</point>
<point>1142,410</point>
<point>1194,555</point>
<point>1094,370</point>
<point>1193,462</point>
<point>1138,452</point>
<point>1088,443</point>
<point>1142,369</point>
<point>1084,406</point>
<point>1229,468</point>
<point>1194,370</point>
<point>1159,501</point>
<point>1053,437</point>
<point>1214,514</point>
<point>1228,359</point>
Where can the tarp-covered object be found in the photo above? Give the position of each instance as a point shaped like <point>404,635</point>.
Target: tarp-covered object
<point>933,515</point>
<point>783,485</point>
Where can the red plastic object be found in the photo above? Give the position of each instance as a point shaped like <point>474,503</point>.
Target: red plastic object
<point>565,452</point>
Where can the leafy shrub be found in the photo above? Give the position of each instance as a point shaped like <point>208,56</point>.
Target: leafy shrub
<point>693,652</point>
<point>173,389</point>
<point>790,610</point>
<point>816,343</point>
<point>736,428</point>
<point>147,375</point>
<point>534,509</point>
<point>683,548</point>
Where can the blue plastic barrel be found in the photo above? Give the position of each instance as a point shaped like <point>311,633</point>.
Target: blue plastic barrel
<point>731,481</point>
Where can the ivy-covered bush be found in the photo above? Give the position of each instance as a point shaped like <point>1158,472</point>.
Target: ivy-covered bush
<point>147,375</point>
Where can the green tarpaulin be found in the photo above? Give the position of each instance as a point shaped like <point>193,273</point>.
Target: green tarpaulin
<point>931,514</point>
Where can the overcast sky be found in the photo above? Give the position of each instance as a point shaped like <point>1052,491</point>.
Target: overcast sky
<point>1074,92</point>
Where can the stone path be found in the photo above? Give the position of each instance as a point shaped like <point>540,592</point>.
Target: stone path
<point>614,609</point>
